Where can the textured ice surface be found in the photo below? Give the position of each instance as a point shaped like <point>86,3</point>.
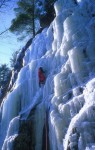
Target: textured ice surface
<point>66,51</point>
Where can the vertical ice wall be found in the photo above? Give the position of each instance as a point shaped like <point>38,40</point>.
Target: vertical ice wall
<point>71,125</point>
<point>65,103</point>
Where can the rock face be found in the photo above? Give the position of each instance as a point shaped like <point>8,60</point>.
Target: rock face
<point>61,113</point>
<point>24,140</point>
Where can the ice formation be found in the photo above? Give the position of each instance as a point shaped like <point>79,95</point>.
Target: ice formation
<point>66,51</point>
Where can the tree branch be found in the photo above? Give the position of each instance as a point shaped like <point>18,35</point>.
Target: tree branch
<point>4,31</point>
<point>2,3</point>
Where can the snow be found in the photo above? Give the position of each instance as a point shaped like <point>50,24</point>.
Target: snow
<point>66,51</point>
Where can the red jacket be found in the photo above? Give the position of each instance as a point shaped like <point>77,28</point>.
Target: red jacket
<point>41,76</point>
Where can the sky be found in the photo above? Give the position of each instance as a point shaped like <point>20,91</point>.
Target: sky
<point>8,41</point>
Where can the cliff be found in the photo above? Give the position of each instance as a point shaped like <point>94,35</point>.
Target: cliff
<point>59,115</point>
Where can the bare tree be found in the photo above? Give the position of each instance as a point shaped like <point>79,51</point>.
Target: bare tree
<point>3,3</point>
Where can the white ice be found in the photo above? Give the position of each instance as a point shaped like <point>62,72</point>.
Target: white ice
<point>66,51</point>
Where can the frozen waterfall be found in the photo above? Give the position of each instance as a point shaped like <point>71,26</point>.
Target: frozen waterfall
<point>61,113</point>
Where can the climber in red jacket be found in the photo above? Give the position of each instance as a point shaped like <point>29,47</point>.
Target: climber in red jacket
<point>41,76</point>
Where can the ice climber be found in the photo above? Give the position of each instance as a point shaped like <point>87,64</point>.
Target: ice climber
<point>41,76</point>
